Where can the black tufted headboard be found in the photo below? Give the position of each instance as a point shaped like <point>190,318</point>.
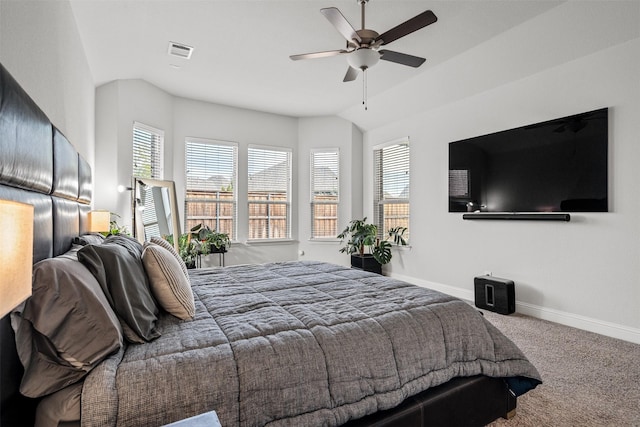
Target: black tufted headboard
<point>38,166</point>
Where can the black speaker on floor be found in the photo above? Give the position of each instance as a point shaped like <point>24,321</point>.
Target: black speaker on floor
<point>495,294</point>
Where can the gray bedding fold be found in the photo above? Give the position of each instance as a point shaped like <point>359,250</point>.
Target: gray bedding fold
<point>297,343</point>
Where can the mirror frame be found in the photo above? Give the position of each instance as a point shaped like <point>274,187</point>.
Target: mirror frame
<point>138,227</point>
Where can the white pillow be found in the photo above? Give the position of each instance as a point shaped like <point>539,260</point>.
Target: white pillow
<point>169,285</point>
<point>168,246</point>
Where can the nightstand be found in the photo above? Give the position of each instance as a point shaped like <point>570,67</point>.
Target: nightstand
<point>220,253</point>
<point>208,419</point>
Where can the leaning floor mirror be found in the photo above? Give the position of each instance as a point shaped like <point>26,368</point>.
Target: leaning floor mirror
<point>155,209</point>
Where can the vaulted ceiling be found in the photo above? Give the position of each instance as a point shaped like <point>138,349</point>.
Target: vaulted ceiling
<point>242,47</point>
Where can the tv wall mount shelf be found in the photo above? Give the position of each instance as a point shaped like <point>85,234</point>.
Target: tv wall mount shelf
<point>533,216</point>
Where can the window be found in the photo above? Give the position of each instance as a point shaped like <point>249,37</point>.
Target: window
<point>147,163</point>
<point>391,186</point>
<point>210,194</point>
<point>269,190</point>
<point>325,187</point>
<point>459,183</point>
<point>147,151</point>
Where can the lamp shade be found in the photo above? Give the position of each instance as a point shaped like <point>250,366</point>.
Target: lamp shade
<point>16,254</point>
<point>99,221</point>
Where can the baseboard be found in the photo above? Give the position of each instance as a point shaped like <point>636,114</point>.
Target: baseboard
<point>590,324</point>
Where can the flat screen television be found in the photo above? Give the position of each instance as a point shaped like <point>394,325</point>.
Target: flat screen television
<point>554,166</point>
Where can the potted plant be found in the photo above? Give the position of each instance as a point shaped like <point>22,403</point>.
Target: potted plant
<point>200,240</point>
<point>361,237</point>
<point>188,248</point>
<point>115,229</point>
<point>212,241</point>
<point>207,241</point>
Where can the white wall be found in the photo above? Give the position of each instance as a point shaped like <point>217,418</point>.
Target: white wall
<point>329,132</point>
<point>40,46</point>
<point>120,103</point>
<point>583,273</point>
<point>105,173</point>
<point>245,127</point>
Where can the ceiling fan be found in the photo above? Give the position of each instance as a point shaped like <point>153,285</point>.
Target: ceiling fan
<point>363,45</point>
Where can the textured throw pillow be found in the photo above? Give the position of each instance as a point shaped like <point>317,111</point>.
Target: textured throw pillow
<point>168,283</point>
<point>65,328</point>
<point>117,266</point>
<point>168,246</point>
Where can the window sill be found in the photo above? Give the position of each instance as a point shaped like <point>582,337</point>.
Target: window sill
<point>402,248</point>
<point>271,242</point>
<point>324,241</point>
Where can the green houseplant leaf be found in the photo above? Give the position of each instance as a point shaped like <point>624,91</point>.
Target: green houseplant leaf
<point>199,241</point>
<point>359,235</point>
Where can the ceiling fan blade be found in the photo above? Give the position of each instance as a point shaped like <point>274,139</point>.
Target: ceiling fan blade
<point>401,58</point>
<point>414,24</point>
<point>343,26</point>
<point>318,54</point>
<point>351,75</point>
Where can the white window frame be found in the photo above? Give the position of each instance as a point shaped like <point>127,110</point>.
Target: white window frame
<point>156,158</point>
<point>313,179</point>
<point>217,200</point>
<point>379,199</point>
<point>286,203</point>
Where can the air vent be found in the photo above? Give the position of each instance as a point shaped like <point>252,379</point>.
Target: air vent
<point>180,50</point>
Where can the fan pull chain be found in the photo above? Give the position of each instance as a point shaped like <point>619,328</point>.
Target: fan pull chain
<point>364,89</point>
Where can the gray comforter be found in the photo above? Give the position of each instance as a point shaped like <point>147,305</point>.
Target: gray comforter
<point>296,344</point>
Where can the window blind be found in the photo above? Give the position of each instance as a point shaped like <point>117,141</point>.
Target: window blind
<point>211,181</point>
<point>458,183</point>
<point>147,151</point>
<point>391,187</point>
<point>325,188</point>
<point>147,210</point>
<point>147,163</point>
<point>269,188</point>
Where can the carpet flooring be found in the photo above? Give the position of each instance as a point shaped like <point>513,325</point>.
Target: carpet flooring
<point>588,379</point>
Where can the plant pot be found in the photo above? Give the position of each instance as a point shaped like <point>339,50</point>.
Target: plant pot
<point>366,262</point>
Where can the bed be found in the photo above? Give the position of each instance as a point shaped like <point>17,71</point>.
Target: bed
<point>280,344</point>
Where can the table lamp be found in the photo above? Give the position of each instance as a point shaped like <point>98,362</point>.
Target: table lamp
<point>16,254</point>
<point>99,221</point>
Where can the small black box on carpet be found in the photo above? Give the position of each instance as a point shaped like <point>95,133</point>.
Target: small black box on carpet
<point>495,294</point>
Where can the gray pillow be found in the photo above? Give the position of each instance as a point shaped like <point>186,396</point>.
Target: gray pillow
<point>65,328</point>
<point>117,267</point>
<point>88,239</point>
<point>132,245</point>
<point>59,407</point>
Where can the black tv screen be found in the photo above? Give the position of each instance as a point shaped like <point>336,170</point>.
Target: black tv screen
<point>555,166</point>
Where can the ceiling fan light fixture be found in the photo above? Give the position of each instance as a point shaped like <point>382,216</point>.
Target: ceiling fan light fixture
<point>363,58</point>
<point>362,45</point>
